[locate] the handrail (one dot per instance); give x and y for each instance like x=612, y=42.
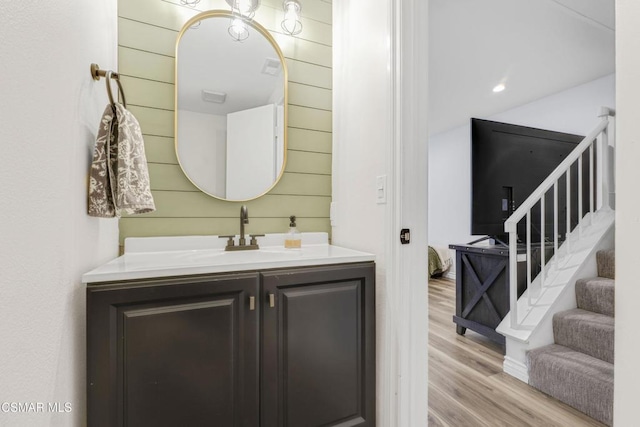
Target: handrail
x=598, y=138
x=511, y=223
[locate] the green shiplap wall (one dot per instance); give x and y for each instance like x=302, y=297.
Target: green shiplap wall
x=147, y=33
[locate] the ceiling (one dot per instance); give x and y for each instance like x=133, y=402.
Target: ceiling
x=535, y=48
x=210, y=59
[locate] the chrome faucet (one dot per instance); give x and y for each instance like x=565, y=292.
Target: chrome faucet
x=242, y=242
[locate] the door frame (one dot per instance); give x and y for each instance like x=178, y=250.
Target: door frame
x=404, y=400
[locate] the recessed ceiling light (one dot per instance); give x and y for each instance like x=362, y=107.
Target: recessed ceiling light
x=499, y=88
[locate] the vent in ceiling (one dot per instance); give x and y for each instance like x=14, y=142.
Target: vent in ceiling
x=271, y=66
x=213, y=96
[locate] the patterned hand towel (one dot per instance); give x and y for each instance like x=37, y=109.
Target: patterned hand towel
x=100, y=192
x=119, y=180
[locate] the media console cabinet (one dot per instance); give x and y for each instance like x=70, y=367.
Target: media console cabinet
x=482, y=286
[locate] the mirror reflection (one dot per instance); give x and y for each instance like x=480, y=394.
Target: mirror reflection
x=230, y=108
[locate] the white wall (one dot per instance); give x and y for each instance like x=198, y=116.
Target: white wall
x=572, y=111
x=202, y=147
x=627, y=374
x=361, y=142
x=49, y=113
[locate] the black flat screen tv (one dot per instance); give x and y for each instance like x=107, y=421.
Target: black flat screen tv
x=508, y=162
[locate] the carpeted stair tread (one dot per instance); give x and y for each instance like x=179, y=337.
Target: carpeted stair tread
x=585, y=331
x=596, y=294
x=606, y=261
x=579, y=380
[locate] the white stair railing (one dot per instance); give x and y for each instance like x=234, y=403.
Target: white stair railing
x=600, y=170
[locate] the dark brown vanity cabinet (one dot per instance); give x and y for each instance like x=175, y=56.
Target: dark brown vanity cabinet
x=318, y=347
x=173, y=352
x=291, y=347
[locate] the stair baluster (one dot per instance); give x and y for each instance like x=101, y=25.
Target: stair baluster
x=598, y=167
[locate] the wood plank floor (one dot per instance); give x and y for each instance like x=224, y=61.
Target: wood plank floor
x=467, y=387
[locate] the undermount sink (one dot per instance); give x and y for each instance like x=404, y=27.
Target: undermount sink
x=190, y=255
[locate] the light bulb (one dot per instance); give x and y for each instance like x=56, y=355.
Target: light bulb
x=238, y=30
x=291, y=12
x=238, y=27
x=291, y=23
x=244, y=6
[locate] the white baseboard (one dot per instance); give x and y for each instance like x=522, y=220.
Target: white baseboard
x=516, y=369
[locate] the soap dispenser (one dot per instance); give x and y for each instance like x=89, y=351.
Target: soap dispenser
x=293, y=239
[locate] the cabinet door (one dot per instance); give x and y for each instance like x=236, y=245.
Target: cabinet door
x=174, y=353
x=318, y=366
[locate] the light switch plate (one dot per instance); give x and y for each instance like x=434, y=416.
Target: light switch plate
x=381, y=189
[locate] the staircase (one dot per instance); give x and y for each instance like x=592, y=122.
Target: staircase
x=578, y=368
x=559, y=333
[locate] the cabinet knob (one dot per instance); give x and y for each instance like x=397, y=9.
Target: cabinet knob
x=272, y=300
x=252, y=303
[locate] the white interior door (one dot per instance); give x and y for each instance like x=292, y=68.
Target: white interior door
x=251, y=152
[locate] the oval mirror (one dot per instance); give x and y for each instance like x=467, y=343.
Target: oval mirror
x=231, y=106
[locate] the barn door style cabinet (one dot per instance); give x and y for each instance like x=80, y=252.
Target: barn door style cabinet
x=482, y=285
x=286, y=347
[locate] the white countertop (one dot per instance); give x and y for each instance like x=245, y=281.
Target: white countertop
x=183, y=256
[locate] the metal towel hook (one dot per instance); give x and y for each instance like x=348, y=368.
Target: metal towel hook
x=96, y=73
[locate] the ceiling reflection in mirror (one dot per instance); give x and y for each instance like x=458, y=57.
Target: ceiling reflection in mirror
x=231, y=107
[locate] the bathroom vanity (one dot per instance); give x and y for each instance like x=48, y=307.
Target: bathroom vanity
x=183, y=334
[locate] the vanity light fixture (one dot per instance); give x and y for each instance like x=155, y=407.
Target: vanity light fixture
x=243, y=11
x=291, y=23
x=244, y=8
x=190, y=3
x=238, y=30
